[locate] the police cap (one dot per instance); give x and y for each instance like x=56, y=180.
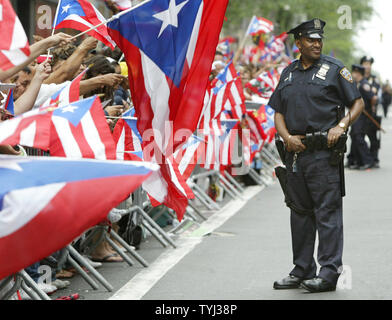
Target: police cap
x=367, y=59
x=358, y=68
x=310, y=29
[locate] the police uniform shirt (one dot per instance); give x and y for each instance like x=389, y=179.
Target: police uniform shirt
x=308, y=99
x=365, y=89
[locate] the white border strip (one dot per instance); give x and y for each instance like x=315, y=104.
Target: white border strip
x=139, y=285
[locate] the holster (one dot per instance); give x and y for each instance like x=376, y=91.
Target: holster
x=281, y=174
x=337, y=159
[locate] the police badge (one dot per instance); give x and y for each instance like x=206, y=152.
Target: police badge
x=317, y=24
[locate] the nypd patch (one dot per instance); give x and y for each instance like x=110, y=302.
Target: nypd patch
x=346, y=74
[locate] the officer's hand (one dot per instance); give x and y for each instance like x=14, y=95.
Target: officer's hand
x=334, y=135
x=294, y=144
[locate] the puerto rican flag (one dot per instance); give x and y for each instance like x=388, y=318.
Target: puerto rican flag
x=257, y=134
x=269, y=125
x=82, y=15
x=79, y=130
x=260, y=25
x=226, y=93
x=169, y=46
x=9, y=102
x=188, y=156
x=47, y=202
x=31, y=129
x=127, y=139
x=66, y=95
x=219, y=143
x=14, y=46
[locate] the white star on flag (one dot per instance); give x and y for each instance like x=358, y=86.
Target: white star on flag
x=65, y=9
x=68, y=109
x=170, y=16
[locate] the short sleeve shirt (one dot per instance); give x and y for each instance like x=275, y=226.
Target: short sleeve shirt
x=365, y=89
x=309, y=99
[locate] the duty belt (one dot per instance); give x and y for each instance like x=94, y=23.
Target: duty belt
x=316, y=141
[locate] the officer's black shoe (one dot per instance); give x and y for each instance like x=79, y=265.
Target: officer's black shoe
x=290, y=282
x=376, y=165
x=317, y=285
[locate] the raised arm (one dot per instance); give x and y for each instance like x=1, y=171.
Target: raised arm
x=36, y=49
x=27, y=99
x=72, y=64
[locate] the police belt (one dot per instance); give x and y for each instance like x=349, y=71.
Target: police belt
x=316, y=141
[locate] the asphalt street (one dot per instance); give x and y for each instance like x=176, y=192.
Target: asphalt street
x=241, y=258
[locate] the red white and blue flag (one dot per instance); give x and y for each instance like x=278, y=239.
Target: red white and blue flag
x=128, y=140
x=14, y=46
x=226, y=93
x=260, y=25
x=79, y=130
x=9, y=102
x=66, y=95
x=48, y=202
x=30, y=129
x=169, y=46
x=82, y=15
x=220, y=141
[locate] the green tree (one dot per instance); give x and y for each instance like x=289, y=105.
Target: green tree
x=288, y=13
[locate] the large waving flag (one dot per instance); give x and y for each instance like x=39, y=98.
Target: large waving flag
x=80, y=130
x=82, y=15
x=14, y=46
x=169, y=46
x=48, y=202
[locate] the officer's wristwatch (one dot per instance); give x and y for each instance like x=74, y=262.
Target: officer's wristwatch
x=342, y=125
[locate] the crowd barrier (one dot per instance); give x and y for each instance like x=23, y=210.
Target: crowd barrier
x=139, y=209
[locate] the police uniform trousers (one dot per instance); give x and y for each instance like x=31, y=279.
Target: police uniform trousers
x=360, y=153
x=316, y=185
x=372, y=135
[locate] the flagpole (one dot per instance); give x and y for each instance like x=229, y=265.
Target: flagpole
x=242, y=45
x=54, y=26
x=116, y=16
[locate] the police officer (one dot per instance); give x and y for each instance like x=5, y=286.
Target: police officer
x=360, y=155
x=307, y=99
x=372, y=129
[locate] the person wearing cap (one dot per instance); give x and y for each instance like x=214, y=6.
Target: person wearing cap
x=372, y=129
x=307, y=100
x=360, y=156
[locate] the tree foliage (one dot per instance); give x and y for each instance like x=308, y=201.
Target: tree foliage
x=289, y=13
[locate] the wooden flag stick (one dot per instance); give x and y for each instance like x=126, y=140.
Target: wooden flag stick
x=374, y=121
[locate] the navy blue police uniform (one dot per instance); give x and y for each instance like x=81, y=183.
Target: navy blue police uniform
x=372, y=130
x=360, y=153
x=309, y=100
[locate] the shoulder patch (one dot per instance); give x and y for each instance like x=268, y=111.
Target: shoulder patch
x=367, y=87
x=346, y=74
